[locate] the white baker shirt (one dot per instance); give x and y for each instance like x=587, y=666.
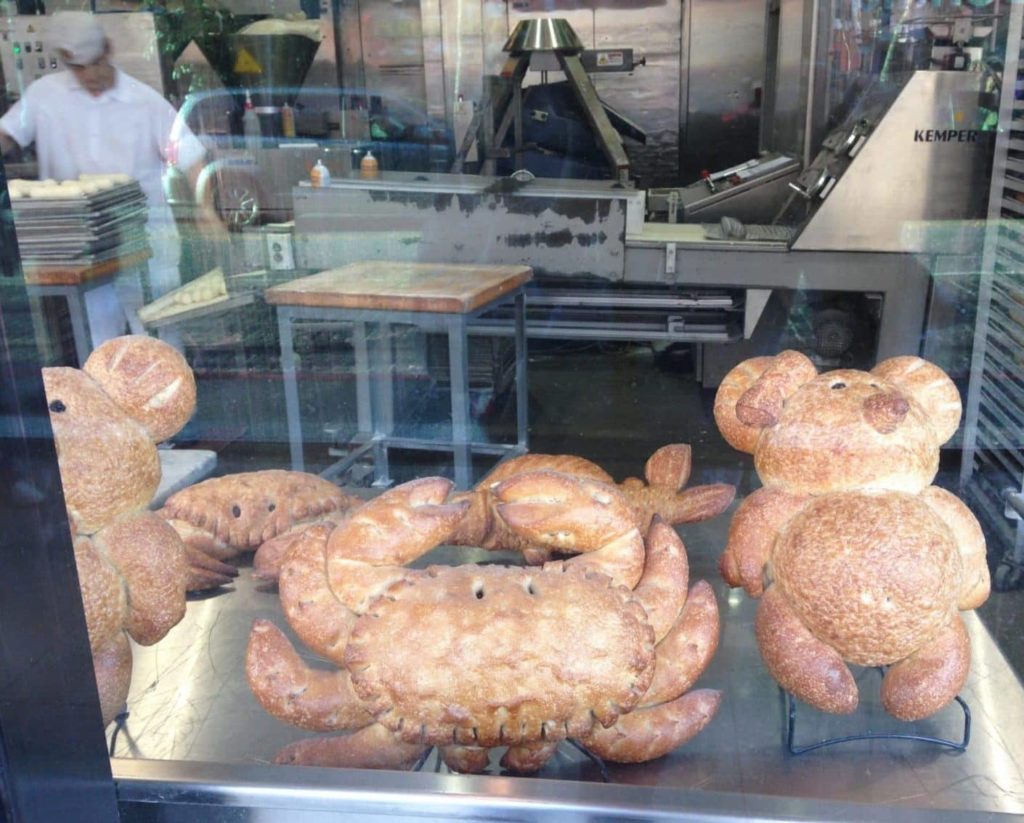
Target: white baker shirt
x=130, y=129
x=125, y=129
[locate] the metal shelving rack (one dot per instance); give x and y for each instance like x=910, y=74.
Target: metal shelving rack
x=992, y=472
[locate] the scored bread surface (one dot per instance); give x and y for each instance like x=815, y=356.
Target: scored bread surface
x=489, y=656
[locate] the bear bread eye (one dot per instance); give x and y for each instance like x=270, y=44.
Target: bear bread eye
x=838, y=386
x=58, y=406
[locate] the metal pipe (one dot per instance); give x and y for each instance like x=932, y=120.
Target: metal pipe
x=811, y=81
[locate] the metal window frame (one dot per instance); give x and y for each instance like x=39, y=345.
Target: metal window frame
x=52, y=746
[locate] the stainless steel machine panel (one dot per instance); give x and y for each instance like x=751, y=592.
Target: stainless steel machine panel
x=560, y=228
x=382, y=49
x=922, y=167
x=723, y=63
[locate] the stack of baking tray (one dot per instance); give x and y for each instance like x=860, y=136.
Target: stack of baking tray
x=81, y=230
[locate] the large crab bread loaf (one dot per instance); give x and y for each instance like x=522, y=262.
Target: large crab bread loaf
x=512, y=680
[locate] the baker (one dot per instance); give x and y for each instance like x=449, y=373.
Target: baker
x=94, y=118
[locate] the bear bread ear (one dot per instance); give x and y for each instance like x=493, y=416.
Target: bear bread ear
x=751, y=396
x=148, y=379
x=930, y=387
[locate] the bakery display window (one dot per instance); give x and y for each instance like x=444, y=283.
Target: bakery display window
x=510, y=410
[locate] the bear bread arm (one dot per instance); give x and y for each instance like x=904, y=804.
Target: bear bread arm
x=970, y=542
x=754, y=528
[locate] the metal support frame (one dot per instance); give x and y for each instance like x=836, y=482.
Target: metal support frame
x=375, y=385
x=999, y=267
x=901, y=279
x=609, y=138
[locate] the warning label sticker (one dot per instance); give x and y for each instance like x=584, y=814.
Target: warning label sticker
x=610, y=58
x=245, y=63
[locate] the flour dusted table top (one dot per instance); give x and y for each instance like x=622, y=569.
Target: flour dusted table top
x=396, y=286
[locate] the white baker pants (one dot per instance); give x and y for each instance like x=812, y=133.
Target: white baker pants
x=114, y=308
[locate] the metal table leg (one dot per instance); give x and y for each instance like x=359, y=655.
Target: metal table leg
x=522, y=396
x=364, y=403
x=382, y=402
x=458, y=364
x=291, y=389
x=79, y=325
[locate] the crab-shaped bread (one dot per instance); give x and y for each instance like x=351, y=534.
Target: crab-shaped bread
x=266, y=511
x=601, y=648
x=855, y=556
x=222, y=517
x=131, y=393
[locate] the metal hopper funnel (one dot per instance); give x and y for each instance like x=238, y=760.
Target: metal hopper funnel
x=271, y=66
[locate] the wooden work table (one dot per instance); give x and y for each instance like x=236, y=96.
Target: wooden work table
x=415, y=287
x=373, y=296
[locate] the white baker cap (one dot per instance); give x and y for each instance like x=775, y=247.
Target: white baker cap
x=78, y=34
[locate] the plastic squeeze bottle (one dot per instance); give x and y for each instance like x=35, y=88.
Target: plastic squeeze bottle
x=250, y=123
x=319, y=175
x=287, y=121
x=368, y=166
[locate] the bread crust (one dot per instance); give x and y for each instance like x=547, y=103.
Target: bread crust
x=103, y=595
x=752, y=534
x=823, y=443
x=923, y=683
x=975, y=581
x=112, y=667
x=371, y=748
x=244, y=510
x=874, y=576
x=647, y=733
x=277, y=679
x=402, y=655
x=740, y=378
x=147, y=378
x=662, y=589
x=930, y=386
x=798, y=661
x=687, y=650
x=150, y=557
x=108, y=464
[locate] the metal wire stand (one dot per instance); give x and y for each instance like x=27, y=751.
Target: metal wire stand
x=791, y=704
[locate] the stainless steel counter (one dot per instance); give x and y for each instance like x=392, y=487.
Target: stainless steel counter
x=190, y=704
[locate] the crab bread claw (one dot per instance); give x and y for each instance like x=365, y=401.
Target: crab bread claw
x=563, y=512
x=399, y=525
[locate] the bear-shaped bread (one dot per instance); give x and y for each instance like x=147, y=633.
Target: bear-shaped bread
x=855, y=556
x=132, y=392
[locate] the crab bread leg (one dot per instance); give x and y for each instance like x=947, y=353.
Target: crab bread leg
x=645, y=734
x=290, y=690
x=371, y=748
x=320, y=620
x=685, y=652
x=662, y=589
